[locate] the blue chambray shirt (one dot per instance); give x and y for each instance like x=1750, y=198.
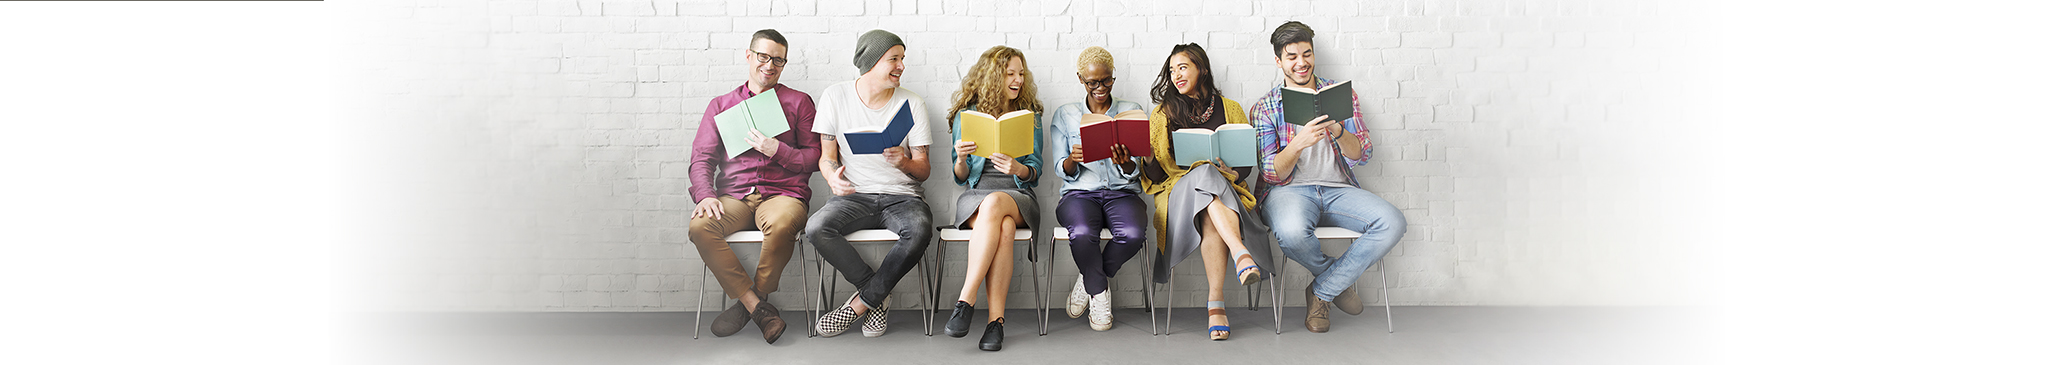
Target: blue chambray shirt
x=1095, y=175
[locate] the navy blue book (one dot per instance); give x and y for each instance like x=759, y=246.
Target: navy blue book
x=871, y=142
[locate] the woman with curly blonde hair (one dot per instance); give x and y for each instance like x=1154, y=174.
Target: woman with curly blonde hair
x=1000, y=195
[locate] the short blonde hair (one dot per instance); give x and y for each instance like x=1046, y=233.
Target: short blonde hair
x=1094, y=56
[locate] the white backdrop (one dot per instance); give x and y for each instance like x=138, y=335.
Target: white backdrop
x=532, y=155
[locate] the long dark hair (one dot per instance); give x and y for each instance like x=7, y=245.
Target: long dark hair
x=1179, y=108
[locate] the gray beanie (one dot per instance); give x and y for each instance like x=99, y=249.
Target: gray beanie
x=871, y=46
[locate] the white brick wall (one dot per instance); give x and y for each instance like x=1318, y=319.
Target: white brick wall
x=532, y=154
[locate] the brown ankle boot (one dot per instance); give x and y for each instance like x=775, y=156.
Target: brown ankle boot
x=1315, y=313
x=769, y=321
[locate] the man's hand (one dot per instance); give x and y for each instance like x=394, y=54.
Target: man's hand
x=709, y=207
x=1311, y=132
x=895, y=156
x=840, y=185
x=768, y=146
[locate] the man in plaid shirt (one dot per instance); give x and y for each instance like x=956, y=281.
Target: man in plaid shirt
x=1307, y=183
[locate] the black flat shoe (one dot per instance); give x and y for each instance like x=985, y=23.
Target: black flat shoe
x=959, y=322
x=994, y=336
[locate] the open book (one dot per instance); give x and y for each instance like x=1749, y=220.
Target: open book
x=1231, y=143
x=1100, y=132
x=1011, y=134
x=871, y=141
x=1336, y=101
x=760, y=113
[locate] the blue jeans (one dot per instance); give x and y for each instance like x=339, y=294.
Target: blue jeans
x=1294, y=210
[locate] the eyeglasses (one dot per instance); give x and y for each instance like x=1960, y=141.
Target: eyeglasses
x=1094, y=84
x=774, y=61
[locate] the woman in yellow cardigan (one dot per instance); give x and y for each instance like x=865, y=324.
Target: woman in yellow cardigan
x=1208, y=201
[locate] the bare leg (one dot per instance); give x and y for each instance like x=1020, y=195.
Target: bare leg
x=1228, y=225
x=985, y=237
x=1214, y=252
x=999, y=281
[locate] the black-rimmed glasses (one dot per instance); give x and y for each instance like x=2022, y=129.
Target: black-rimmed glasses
x=1106, y=82
x=764, y=57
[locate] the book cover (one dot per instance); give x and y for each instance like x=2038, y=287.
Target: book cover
x=1232, y=143
x=872, y=141
x=1099, y=132
x=1011, y=134
x=1336, y=101
x=760, y=113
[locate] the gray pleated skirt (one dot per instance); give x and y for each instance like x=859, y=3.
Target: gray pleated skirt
x=1191, y=194
x=974, y=197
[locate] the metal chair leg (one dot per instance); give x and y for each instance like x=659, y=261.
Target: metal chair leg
x=1383, y=291
x=931, y=294
x=1040, y=297
x=1148, y=293
x=1171, y=306
x=698, y=310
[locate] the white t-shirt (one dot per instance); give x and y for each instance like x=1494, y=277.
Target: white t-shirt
x=840, y=109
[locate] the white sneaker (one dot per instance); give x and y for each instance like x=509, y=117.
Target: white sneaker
x=1102, y=311
x=1077, y=298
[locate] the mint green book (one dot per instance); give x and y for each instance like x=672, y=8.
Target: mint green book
x=760, y=113
x=1231, y=143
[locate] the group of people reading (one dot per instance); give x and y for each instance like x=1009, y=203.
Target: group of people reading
x=870, y=141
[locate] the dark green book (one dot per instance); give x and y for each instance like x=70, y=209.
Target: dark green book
x=1336, y=101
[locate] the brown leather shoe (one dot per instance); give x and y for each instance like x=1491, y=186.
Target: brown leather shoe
x=1315, y=313
x=769, y=321
x=1348, y=302
x=731, y=320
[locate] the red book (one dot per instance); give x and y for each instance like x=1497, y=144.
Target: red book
x=1100, y=132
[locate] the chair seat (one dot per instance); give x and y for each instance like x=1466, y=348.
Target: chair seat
x=952, y=234
x=1333, y=232
x=745, y=236
x=1063, y=234
x=872, y=235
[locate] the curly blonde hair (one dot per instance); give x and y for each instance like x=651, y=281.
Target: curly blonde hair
x=986, y=82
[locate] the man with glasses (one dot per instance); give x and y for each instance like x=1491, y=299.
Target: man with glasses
x=764, y=187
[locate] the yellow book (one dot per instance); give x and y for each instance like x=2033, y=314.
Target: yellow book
x=1011, y=134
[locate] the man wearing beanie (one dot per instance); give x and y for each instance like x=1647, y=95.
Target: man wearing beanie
x=871, y=191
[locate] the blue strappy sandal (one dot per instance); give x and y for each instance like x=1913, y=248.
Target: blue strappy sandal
x=1244, y=270
x=1217, y=308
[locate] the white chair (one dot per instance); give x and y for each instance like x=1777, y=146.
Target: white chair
x=829, y=275
x=1148, y=288
x=1383, y=281
x=756, y=237
x=1275, y=291
x=956, y=235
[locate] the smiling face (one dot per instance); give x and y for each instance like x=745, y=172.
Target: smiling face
x=1098, y=83
x=1184, y=74
x=1296, y=61
x=764, y=73
x=1016, y=77
x=889, y=67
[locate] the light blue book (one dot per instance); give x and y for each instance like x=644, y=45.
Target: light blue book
x=1231, y=143
x=760, y=113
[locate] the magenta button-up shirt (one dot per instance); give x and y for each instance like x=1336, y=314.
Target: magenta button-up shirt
x=713, y=174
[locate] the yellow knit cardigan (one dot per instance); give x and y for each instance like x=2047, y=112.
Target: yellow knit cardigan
x=1159, y=139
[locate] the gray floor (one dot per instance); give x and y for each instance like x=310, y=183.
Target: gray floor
x=1425, y=335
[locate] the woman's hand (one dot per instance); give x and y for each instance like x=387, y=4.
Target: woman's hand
x=964, y=148
x=1076, y=153
x=1224, y=170
x=1007, y=164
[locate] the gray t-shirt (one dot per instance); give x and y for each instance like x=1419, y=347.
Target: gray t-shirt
x=1317, y=165
x=840, y=109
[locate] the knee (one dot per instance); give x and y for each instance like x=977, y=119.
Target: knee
x=1129, y=234
x=701, y=229
x=779, y=225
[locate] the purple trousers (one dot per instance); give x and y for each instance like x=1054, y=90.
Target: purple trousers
x=1084, y=212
